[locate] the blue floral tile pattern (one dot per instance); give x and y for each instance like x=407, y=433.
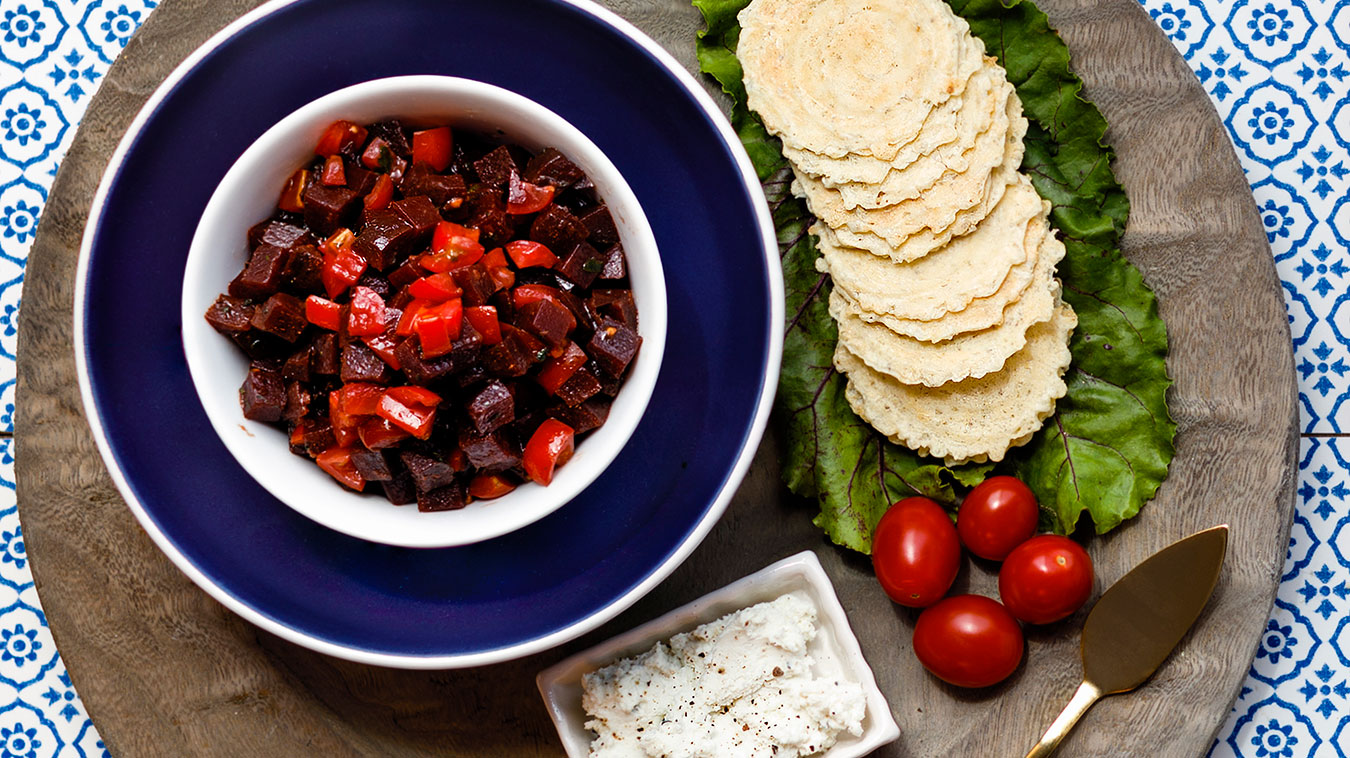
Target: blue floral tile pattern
x=1278, y=72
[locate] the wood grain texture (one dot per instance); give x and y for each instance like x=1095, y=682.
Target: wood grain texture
x=165, y=670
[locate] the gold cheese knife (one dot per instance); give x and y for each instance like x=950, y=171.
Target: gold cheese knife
x=1138, y=621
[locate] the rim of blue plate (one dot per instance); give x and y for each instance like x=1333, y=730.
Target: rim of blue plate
x=731, y=477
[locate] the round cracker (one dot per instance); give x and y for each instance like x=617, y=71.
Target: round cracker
x=974, y=420
x=1034, y=275
x=965, y=356
x=951, y=127
x=958, y=157
x=970, y=267
x=939, y=208
x=927, y=240
x=852, y=76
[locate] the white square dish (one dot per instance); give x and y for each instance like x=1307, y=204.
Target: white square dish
x=835, y=650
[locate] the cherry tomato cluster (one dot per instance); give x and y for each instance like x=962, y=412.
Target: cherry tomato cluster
x=970, y=640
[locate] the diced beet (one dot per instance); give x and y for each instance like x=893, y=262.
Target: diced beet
x=420, y=213
x=546, y=320
x=263, y=395
x=488, y=452
x=581, y=387
x=371, y=465
x=471, y=374
x=323, y=356
x=386, y=239
x=552, y=167
x=616, y=305
x=230, y=314
x=297, y=401
x=361, y=364
x=327, y=208
x=319, y=436
x=476, y=283
x=405, y=274
x=582, y=265
x=261, y=346
x=585, y=322
x=419, y=370
x=613, y=346
x=557, y=228
x=278, y=233
x=376, y=282
x=492, y=408
x=494, y=224
x=616, y=265
x=609, y=385
x=601, y=226
x=296, y=367
x=304, y=271
x=464, y=349
x=451, y=497
x=282, y=315
x=360, y=180
x=421, y=179
x=400, y=490
x=427, y=473
x=591, y=414
x=495, y=168
x=508, y=359
x=261, y=275
x=392, y=131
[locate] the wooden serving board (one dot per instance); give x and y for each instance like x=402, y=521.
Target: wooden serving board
x=165, y=670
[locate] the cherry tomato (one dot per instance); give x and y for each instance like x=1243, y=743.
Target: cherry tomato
x=915, y=552
x=968, y=641
x=997, y=516
x=1045, y=579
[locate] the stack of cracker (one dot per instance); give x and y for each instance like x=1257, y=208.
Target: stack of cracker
x=906, y=140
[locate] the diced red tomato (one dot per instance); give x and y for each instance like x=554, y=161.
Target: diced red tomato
x=359, y=399
x=293, y=194
x=383, y=345
x=338, y=241
x=334, y=173
x=376, y=433
x=322, y=312
x=409, y=317
x=413, y=394
x=489, y=486
x=433, y=147
x=365, y=317
x=297, y=438
x=337, y=461
x=452, y=246
x=526, y=253
x=484, y=320
x=523, y=197
x=503, y=278
x=529, y=293
x=378, y=155
x=435, y=287
x=379, y=196
x=341, y=271
x=438, y=326
x=558, y=370
x=495, y=258
x=338, y=135
x=550, y=446
x=410, y=408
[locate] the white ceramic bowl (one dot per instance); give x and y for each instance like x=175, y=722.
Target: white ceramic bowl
x=835, y=650
x=248, y=194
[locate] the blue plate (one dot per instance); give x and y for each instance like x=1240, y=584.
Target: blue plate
x=522, y=592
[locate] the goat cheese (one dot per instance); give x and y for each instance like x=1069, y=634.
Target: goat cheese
x=739, y=687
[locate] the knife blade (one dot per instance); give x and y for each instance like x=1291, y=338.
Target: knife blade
x=1138, y=622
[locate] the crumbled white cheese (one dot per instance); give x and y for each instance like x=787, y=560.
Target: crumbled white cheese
x=739, y=687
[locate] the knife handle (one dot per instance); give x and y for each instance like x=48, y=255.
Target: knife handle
x=1082, y=700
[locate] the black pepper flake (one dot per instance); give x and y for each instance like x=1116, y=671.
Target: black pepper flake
x=777, y=671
